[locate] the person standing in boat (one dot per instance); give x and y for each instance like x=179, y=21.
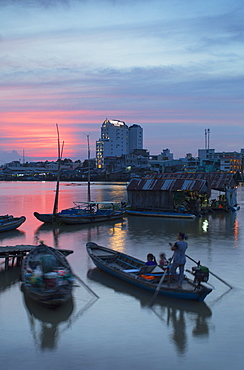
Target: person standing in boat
x=179, y=258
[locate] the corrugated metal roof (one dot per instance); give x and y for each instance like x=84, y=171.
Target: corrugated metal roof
x=168, y=184
x=194, y=181
x=215, y=180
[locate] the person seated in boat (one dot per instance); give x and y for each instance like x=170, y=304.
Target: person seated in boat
x=179, y=258
x=163, y=261
x=149, y=265
x=151, y=260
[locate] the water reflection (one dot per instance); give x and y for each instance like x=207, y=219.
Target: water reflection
x=9, y=278
x=154, y=227
x=46, y=323
x=13, y=234
x=182, y=317
x=114, y=228
x=224, y=223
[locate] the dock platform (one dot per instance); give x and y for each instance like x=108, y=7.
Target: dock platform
x=18, y=252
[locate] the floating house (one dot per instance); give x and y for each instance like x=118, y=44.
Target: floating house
x=181, y=192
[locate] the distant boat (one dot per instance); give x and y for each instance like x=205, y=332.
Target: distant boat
x=129, y=269
x=47, y=276
x=165, y=214
x=90, y=212
x=8, y=223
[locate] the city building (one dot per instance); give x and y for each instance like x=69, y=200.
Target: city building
x=117, y=139
x=221, y=161
x=135, y=137
x=230, y=164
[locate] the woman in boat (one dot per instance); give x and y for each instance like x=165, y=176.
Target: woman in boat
x=179, y=258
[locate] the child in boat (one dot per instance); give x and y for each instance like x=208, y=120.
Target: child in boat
x=149, y=265
x=163, y=261
x=151, y=260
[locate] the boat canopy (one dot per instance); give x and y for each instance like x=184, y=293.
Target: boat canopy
x=94, y=203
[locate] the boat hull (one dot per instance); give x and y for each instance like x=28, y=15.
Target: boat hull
x=46, y=217
x=88, y=218
x=101, y=257
x=11, y=223
x=161, y=214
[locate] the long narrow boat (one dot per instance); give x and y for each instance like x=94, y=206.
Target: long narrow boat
x=130, y=269
x=49, y=218
x=164, y=214
x=47, y=276
x=11, y=223
x=90, y=212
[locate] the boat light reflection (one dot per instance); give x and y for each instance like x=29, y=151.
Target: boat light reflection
x=205, y=226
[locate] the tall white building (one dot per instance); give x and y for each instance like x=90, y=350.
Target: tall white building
x=135, y=137
x=117, y=139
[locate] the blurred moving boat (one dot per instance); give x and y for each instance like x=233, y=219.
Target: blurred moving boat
x=134, y=271
x=47, y=276
x=8, y=222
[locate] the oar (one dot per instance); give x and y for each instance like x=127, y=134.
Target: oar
x=198, y=263
x=85, y=285
x=158, y=288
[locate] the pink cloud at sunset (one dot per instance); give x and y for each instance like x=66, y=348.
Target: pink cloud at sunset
x=30, y=131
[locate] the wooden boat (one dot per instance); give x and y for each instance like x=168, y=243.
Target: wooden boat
x=8, y=223
x=161, y=214
x=90, y=212
x=130, y=269
x=47, y=276
x=49, y=218
x=82, y=212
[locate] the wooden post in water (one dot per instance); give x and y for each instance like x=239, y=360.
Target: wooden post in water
x=60, y=153
x=6, y=263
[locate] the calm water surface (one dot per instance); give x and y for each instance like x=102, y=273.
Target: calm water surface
x=118, y=330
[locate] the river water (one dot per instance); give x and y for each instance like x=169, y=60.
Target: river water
x=118, y=330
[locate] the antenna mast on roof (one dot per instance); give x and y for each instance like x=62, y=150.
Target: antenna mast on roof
x=207, y=136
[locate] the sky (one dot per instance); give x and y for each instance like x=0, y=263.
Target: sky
x=175, y=67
